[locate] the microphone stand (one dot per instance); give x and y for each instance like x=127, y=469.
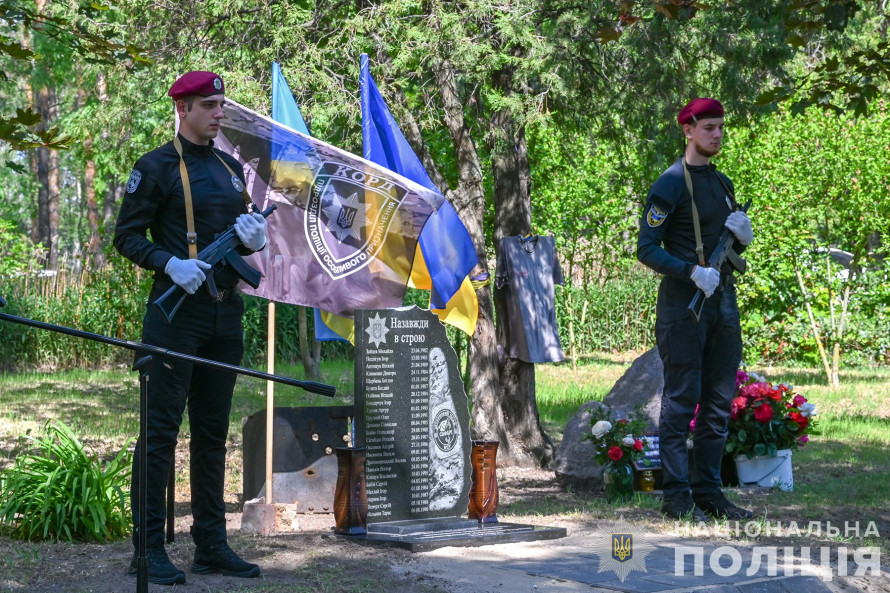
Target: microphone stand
x=143, y=365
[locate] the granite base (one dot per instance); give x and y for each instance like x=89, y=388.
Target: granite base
x=422, y=535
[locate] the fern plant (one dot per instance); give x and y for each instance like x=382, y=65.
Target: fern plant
x=60, y=492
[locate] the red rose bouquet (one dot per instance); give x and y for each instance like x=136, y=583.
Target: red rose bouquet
x=766, y=418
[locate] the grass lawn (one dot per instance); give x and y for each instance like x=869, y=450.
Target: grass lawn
x=842, y=476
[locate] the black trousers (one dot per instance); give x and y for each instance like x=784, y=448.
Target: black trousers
x=207, y=330
x=700, y=363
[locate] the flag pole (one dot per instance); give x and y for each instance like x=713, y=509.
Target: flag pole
x=270, y=398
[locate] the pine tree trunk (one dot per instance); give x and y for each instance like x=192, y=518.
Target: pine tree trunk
x=309, y=354
x=95, y=244
x=469, y=200
x=48, y=180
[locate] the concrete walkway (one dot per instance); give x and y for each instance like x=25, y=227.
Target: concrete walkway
x=658, y=563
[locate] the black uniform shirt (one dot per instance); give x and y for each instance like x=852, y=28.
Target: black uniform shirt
x=666, y=242
x=155, y=203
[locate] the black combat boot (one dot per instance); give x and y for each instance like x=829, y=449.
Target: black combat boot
x=681, y=507
x=160, y=570
x=220, y=558
x=716, y=505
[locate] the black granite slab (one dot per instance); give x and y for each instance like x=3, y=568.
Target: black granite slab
x=423, y=536
x=412, y=416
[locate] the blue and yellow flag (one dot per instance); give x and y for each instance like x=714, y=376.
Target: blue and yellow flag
x=446, y=253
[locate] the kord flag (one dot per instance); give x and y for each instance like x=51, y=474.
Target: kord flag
x=345, y=231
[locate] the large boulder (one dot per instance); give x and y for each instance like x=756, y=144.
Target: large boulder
x=574, y=465
x=639, y=388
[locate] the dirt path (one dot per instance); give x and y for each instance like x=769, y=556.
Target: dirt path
x=318, y=561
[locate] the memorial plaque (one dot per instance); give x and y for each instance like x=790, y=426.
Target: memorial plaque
x=412, y=416
x=651, y=453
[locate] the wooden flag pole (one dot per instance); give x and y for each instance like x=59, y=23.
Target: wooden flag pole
x=270, y=399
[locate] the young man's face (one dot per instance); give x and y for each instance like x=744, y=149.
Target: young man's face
x=706, y=136
x=200, y=123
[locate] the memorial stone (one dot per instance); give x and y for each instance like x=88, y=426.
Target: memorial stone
x=412, y=416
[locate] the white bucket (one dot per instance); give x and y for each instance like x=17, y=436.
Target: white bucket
x=766, y=471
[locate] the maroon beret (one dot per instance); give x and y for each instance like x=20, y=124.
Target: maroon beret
x=197, y=82
x=699, y=109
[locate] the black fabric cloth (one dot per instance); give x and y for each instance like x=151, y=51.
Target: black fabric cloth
x=151, y=228
x=700, y=358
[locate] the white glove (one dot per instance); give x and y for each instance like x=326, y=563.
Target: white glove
x=251, y=229
x=740, y=226
x=706, y=279
x=187, y=273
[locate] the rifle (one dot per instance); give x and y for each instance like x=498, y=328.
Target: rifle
x=723, y=253
x=217, y=254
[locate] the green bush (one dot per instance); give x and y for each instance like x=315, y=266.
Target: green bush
x=287, y=337
x=109, y=302
x=16, y=250
x=59, y=492
x=615, y=316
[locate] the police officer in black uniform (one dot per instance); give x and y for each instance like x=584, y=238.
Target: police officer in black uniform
x=156, y=202
x=700, y=358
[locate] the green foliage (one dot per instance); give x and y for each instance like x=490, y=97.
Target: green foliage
x=615, y=316
x=16, y=251
x=60, y=29
x=819, y=183
x=844, y=58
x=583, y=196
x=287, y=340
x=60, y=492
x=108, y=302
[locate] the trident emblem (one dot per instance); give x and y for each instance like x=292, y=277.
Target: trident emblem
x=622, y=546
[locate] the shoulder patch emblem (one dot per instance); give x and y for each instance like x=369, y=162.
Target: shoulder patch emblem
x=236, y=183
x=133, y=182
x=655, y=216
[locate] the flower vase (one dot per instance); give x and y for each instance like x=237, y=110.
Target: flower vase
x=484, y=488
x=350, y=494
x=618, y=481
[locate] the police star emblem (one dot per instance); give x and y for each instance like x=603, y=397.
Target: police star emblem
x=622, y=549
x=346, y=217
x=377, y=330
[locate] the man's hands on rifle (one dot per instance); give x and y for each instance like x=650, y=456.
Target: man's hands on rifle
x=251, y=229
x=188, y=274
x=740, y=225
x=706, y=279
